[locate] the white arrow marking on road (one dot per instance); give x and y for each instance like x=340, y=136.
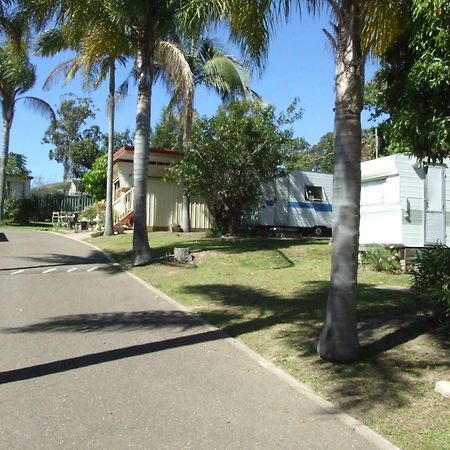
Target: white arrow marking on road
x=71, y=270
x=49, y=270
x=18, y=271
x=93, y=268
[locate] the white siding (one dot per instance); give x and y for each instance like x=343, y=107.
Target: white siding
x=412, y=194
x=381, y=224
x=164, y=206
x=447, y=203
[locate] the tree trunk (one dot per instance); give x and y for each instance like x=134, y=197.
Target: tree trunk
x=339, y=338
x=109, y=225
x=185, y=219
x=141, y=247
x=187, y=131
x=3, y=163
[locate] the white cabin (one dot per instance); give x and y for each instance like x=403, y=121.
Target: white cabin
x=404, y=202
x=164, y=200
x=299, y=200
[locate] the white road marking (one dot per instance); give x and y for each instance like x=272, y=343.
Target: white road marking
x=18, y=271
x=92, y=269
x=72, y=269
x=48, y=270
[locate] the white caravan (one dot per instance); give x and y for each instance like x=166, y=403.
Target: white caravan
x=300, y=200
x=404, y=202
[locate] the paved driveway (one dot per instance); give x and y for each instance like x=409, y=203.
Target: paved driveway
x=91, y=358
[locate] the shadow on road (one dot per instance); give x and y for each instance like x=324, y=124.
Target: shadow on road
x=129, y=321
x=64, y=365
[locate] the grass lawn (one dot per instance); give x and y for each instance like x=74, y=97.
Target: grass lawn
x=272, y=295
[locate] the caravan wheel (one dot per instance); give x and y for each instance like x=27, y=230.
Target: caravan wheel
x=318, y=231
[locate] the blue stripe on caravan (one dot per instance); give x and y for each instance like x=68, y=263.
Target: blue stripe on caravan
x=321, y=207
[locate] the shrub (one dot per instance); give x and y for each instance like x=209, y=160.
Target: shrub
x=90, y=213
x=18, y=211
x=431, y=278
x=382, y=259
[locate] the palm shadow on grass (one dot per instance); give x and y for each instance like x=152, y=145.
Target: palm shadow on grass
x=387, y=319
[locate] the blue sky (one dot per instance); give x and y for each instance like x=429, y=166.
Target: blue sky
x=300, y=64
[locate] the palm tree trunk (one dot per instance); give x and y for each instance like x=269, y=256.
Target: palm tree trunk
x=339, y=338
x=187, y=131
x=109, y=226
x=3, y=163
x=141, y=247
x=185, y=206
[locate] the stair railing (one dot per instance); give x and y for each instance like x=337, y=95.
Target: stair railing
x=123, y=205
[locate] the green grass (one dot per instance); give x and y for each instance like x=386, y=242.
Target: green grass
x=272, y=295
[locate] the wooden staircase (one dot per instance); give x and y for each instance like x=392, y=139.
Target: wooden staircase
x=125, y=222
x=123, y=211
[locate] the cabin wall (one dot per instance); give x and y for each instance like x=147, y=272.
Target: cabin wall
x=164, y=207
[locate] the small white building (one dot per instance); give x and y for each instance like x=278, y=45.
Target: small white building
x=18, y=187
x=301, y=200
x=404, y=202
x=164, y=200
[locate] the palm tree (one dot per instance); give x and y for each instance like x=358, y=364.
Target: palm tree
x=17, y=76
x=359, y=26
x=214, y=69
x=147, y=27
x=96, y=68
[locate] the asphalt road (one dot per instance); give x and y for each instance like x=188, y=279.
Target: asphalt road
x=91, y=358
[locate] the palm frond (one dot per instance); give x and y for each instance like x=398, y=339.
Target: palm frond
x=51, y=42
x=40, y=106
x=383, y=20
x=226, y=75
x=67, y=69
x=175, y=71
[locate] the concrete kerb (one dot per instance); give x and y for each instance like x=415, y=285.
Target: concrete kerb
x=363, y=430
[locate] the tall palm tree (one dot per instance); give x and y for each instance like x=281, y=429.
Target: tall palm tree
x=96, y=68
x=359, y=26
x=147, y=26
x=17, y=76
x=213, y=68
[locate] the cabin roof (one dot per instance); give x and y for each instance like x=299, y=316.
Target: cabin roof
x=128, y=150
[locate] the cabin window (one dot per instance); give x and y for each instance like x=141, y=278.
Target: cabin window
x=314, y=193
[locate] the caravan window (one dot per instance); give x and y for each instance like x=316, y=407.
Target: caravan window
x=314, y=193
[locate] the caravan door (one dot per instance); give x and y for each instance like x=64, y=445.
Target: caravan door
x=267, y=209
x=435, y=205
x=281, y=201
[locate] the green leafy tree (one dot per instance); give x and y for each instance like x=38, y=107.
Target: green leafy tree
x=75, y=145
x=95, y=180
x=230, y=156
x=168, y=132
x=212, y=68
x=319, y=157
x=413, y=85
x=17, y=76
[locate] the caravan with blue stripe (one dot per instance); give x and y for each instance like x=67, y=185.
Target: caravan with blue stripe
x=301, y=200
